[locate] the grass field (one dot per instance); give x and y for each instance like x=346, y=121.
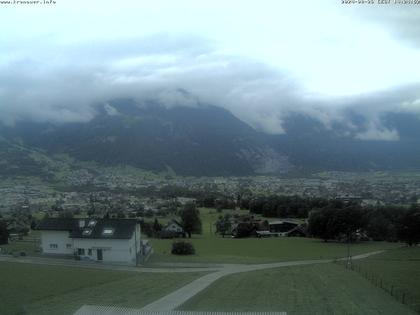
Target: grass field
x=316, y=289
x=398, y=269
x=38, y=289
x=254, y=250
x=215, y=249
x=30, y=245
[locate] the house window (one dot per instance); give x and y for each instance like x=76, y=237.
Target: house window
x=53, y=246
x=87, y=232
x=90, y=252
x=80, y=251
x=108, y=231
x=68, y=245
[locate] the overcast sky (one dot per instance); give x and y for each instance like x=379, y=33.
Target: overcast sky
x=259, y=59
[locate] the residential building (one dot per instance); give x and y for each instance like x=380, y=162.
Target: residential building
x=102, y=240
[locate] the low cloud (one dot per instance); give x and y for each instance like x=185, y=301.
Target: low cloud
x=379, y=133
x=401, y=20
x=110, y=110
x=411, y=106
x=62, y=84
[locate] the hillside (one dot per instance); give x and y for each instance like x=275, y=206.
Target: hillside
x=204, y=141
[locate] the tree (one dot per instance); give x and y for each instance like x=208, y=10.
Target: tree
x=350, y=220
x=146, y=228
x=157, y=227
x=319, y=223
x=223, y=225
x=190, y=219
x=4, y=233
x=337, y=221
x=409, y=226
x=381, y=225
x=34, y=224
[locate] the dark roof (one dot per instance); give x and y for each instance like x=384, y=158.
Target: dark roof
x=173, y=221
x=81, y=228
x=58, y=224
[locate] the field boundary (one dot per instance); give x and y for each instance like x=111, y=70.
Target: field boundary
x=400, y=295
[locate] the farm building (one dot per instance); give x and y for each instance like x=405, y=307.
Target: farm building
x=283, y=228
x=172, y=229
x=102, y=240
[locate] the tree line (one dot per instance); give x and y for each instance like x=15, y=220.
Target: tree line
x=282, y=206
x=351, y=221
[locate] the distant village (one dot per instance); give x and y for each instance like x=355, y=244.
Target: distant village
x=106, y=192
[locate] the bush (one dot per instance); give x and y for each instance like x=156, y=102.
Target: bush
x=182, y=248
x=170, y=234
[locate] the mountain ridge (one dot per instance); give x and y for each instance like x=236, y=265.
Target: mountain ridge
x=206, y=140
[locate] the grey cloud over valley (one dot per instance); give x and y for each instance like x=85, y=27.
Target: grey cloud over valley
x=59, y=79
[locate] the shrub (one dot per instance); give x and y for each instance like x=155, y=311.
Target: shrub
x=182, y=248
x=170, y=234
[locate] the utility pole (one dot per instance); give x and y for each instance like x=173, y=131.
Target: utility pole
x=348, y=250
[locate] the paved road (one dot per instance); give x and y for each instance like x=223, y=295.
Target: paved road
x=98, y=265
x=163, y=267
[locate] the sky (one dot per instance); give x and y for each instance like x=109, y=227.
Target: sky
x=261, y=60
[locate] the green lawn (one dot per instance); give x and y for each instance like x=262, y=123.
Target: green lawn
x=316, y=289
x=30, y=245
x=255, y=250
x=38, y=289
x=16, y=247
x=215, y=249
x=398, y=269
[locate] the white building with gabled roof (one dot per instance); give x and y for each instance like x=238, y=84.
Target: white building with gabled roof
x=103, y=240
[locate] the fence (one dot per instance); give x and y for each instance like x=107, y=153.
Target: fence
x=401, y=295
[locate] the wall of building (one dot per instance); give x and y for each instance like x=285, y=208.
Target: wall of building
x=60, y=238
x=113, y=250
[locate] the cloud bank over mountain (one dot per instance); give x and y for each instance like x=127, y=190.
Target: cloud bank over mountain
x=261, y=62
